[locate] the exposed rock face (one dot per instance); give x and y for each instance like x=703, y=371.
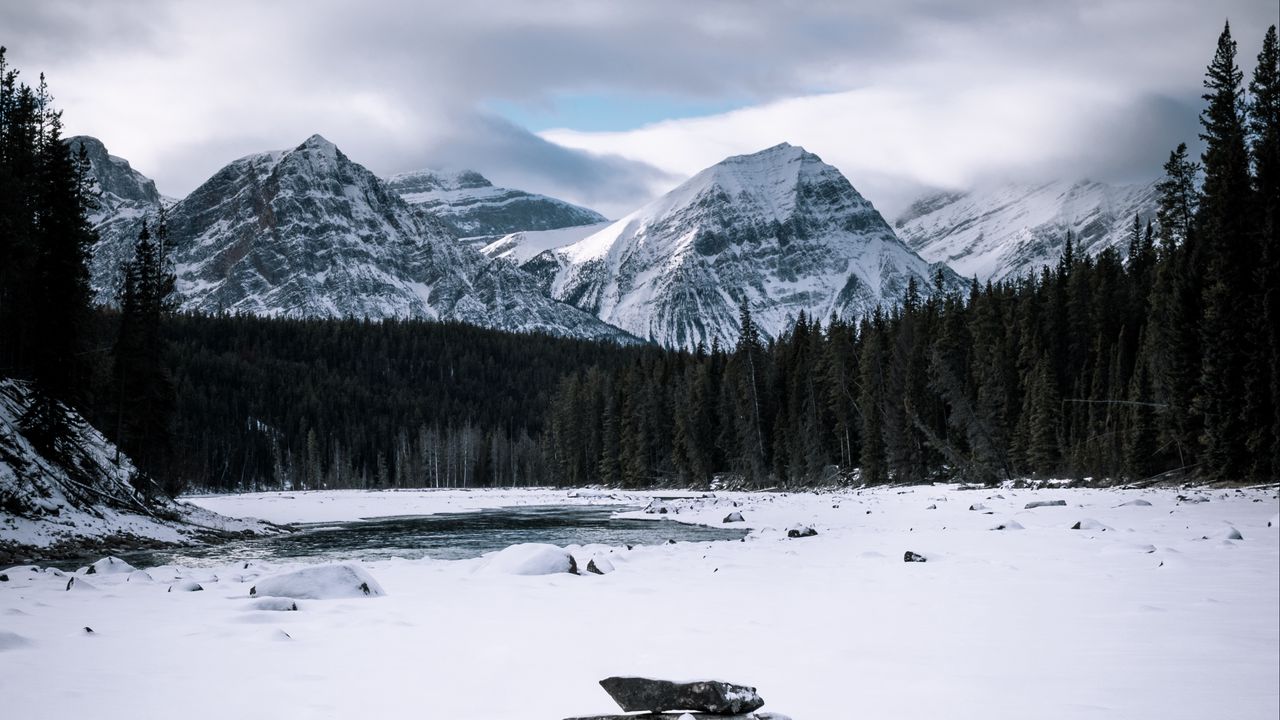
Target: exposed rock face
x=309, y=233
x=779, y=229
x=733, y=517
x=1010, y=230
x=126, y=196
x=471, y=203
x=913, y=557
x=712, y=696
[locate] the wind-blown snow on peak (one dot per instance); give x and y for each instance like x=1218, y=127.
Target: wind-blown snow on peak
x=1008, y=230
x=779, y=229
x=472, y=204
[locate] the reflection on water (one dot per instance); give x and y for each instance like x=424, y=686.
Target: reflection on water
x=448, y=537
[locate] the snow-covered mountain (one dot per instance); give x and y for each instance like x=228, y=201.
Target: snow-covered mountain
x=779, y=228
x=520, y=247
x=1008, y=230
x=476, y=208
x=309, y=233
x=125, y=197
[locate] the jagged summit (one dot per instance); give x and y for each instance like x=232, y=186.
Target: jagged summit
x=779, y=229
x=114, y=174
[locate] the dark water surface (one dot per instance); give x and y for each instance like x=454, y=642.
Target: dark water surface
x=450, y=536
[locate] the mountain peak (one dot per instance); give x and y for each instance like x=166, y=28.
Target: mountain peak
x=317, y=141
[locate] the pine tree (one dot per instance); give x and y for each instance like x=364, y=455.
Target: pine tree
x=1264, y=132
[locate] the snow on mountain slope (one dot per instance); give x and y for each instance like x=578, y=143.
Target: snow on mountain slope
x=475, y=207
x=85, y=497
x=779, y=229
x=126, y=197
x=309, y=233
x=520, y=247
x=1007, y=231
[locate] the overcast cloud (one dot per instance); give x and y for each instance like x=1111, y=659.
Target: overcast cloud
x=900, y=96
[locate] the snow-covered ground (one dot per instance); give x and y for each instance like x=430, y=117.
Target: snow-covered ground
x=1151, y=613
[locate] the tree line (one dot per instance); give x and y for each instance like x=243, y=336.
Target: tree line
x=1162, y=361
x=1100, y=367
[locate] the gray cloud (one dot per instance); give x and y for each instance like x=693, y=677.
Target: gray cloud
x=180, y=88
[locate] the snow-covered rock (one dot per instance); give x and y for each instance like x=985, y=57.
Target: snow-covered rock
x=322, y=582
x=275, y=604
x=733, y=517
x=109, y=566
x=1045, y=503
x=186, y=586
x=1139, y=502
x=599, y=565
x=1089, y=524
x=1008, y=525
x=531, y=559
x=469, y=202
x=1009, y=230
x=779, y=230
x=12, y=641
x=801, y=531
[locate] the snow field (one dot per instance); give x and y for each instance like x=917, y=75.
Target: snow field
x=1136, y=615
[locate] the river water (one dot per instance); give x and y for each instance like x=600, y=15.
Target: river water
x=450, y=536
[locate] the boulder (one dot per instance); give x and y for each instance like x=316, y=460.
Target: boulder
x=733, y=517
x=189, y=586
x=79, y=585
x=599, y=566
x=109, y=566
x=322, y=582
x=1045, y=503
x=531, y=559
x=931, y=507
x=686, y=716
x=1008, y=525
x=711, y=696
x=801, y=531
x=913, y=557
x=977, y=507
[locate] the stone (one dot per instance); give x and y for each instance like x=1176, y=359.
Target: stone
x=186, y=586
x=683, y=715
x=1046, y=503
x=4, y=578
x=977, y=507
x=801, y=531
x=711, y=696
x=733, y=517
x=1136, y=503
x=914, y=557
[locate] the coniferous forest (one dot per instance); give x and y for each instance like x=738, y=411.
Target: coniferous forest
x=1156, y=363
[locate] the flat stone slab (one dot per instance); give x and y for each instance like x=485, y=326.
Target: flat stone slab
x=679, y=715
x=710, y=696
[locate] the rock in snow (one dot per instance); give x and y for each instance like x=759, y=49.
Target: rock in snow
x=276, y=604
x=531, y=559
x=733, y=517
x=1008, y=525
x=599, y=566
x=1136, y=503
x=1089, y=524
x=801, y=531
x=711, y=696
x=914, y=557
x=322, y=582
x=1046, y=503
x=188, y=586
x=109, y=566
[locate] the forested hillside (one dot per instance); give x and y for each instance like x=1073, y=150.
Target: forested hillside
x=1095, y=369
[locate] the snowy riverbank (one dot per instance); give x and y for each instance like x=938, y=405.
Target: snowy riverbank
x=1148, y=611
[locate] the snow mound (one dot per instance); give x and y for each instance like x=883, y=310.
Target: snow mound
x=186, y=586
x=1009, y=525
x=78, y=585
x=12, y=641
x=599, y=565
x=1045, y=503
x=275, y=604
x=531, y=559
x=1089, y=524
x=139, y=576
x=323, y=582
x=109, y=566
x=1136, y=503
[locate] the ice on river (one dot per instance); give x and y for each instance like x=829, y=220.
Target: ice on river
x=1145, y=611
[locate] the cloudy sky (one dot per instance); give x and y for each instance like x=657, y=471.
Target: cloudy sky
x=609, y=103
